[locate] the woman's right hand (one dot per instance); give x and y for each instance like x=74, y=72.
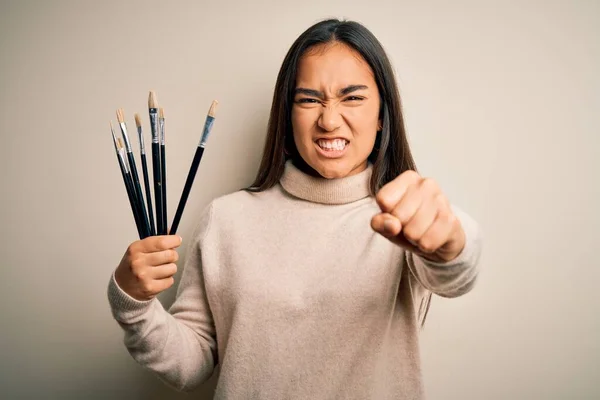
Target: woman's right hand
x=148, y=266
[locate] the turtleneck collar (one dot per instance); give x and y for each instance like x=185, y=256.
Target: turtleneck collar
x=326, y=191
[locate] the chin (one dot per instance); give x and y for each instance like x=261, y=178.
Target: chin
x=332, y=170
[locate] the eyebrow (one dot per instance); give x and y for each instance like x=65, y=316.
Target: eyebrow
x=319, y=94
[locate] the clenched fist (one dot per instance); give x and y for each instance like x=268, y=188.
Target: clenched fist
x=417, y=216
x=148, y=266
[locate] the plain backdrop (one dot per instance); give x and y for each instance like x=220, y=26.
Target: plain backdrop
x=502, y=103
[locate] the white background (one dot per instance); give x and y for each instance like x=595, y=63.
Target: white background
x=502, y=104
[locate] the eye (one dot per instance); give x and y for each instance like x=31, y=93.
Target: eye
x=354, y=98
x=306, y=100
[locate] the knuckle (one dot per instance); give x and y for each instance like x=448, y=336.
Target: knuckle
x=448, y=218
x=410, y=234
x=426, y=245
x=401, y=214
x=131, y=250
x=139, y=273
x=429, y=184
x=384, y=200
x=411, y=174
x=440, y=201
x=136, y=264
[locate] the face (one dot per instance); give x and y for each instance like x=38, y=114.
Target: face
x=335, y=115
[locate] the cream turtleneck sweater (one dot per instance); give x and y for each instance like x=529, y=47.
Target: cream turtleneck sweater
x=294, y=295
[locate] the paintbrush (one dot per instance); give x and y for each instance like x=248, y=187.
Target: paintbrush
x=208, y=124
x=134, y=175
x=163, y=168
x=153, y=111
x=125, y=172
x=138, y=124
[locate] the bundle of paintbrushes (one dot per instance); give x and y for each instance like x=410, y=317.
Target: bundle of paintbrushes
x=144, y=214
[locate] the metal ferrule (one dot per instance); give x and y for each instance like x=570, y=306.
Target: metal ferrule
x=142, y=147
x=125, y=136
x=122, y=159
x=206, y=133
x=154, y=124
x=161, y=122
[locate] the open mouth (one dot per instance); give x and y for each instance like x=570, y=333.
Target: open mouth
x=332, y=148
x=332, y=144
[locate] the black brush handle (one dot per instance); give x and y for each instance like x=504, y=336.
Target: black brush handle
x=163, y=175
x=156, y=169
x=134, y=209
x=138, y=195
x=186, y=189
x=148, y=195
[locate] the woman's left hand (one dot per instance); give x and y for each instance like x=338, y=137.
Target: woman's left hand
x=417, y=216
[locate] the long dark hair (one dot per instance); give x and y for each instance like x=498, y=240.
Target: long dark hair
x=391, y=154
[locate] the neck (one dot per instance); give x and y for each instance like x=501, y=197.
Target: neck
x=305, y=185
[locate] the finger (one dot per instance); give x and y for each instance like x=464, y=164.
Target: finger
x=408, y=206
x=391, y=193
x=162, y=284
x=161, y=257
x=439, y=232
x=419, y=224
x=155, y=244
x=163, y=271
x=389, y=227
x=386, y=224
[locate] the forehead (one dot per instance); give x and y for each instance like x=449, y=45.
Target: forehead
x=333, y=65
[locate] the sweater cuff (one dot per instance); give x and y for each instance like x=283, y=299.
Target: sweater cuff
x=124, y=307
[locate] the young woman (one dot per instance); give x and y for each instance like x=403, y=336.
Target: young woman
x=313, y=282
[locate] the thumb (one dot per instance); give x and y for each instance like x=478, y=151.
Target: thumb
x=386, y=224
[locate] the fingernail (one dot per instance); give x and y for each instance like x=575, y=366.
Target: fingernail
x=180, y=239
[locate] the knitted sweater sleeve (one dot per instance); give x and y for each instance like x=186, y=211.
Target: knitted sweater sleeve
x=178, y=345
x=453, y=278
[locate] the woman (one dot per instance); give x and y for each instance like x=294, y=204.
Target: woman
x=312, y=283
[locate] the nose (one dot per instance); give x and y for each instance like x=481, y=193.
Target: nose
x=330, y=119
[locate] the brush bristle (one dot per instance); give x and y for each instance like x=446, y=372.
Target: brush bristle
x=119, y=143
x=152, y=99
x=120, y=116
x=161, y=113
x=213, y=108
x=138, y=121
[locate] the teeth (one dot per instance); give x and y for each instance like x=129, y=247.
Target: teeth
x=336, y=144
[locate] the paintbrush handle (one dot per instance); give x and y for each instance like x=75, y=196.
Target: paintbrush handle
x=132, y=202
x=156, y=169
x=148, y=195
x=186, y=189
x=128, y=188
x=138, y=195
x=163, y=175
